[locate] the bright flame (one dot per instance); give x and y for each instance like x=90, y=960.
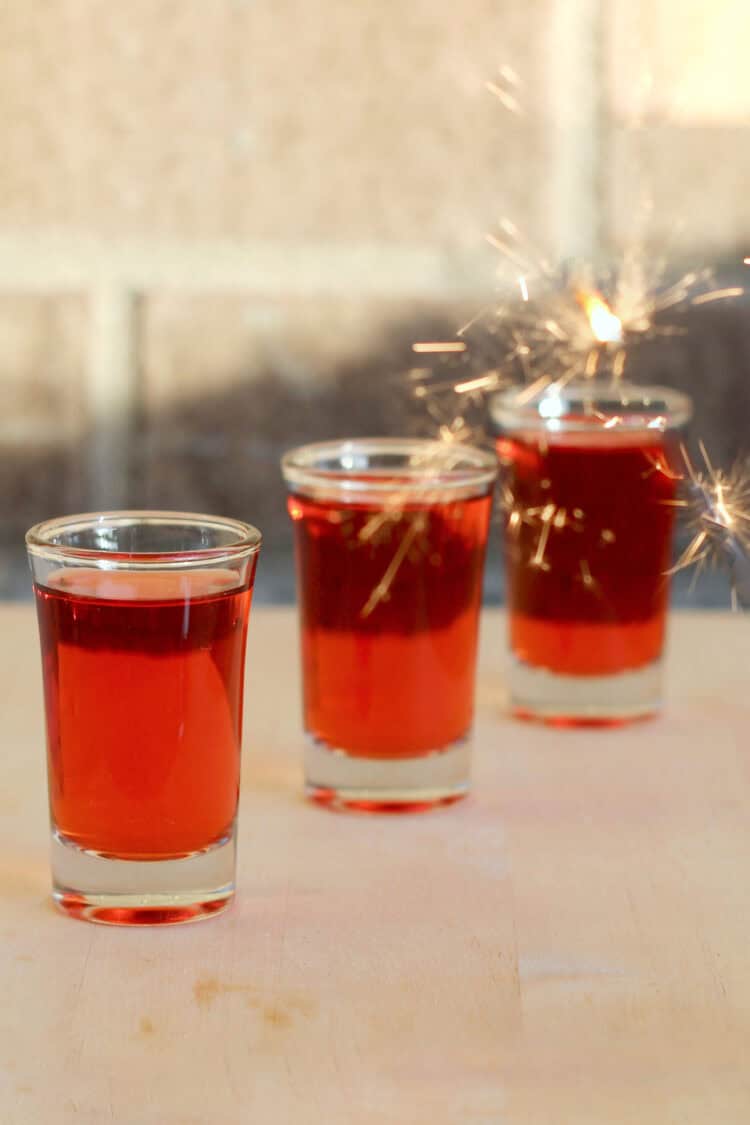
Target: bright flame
x=607, y=327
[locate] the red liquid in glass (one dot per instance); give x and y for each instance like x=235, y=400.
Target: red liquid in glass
x=588, y=544
x=143, y=676
x=394, y=679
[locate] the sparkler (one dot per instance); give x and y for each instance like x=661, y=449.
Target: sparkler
x=560, y=327
x=551, y=325
x=555, y=325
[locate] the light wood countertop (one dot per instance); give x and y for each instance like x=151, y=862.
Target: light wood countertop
x=570, y=946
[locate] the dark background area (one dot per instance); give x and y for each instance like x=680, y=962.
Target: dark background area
x=218, y=451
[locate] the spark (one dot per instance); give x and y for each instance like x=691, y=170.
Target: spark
x=555, y=330
x=416, y=528
x=541, y=547
x=548, y=518
x=438, y=347
x=482, y=383
x=507, y=250
x=717, y=295
x=587, y=577
x=618, y=365
x=509, y=74
x=474, y=320
x=505, y=89
x=657, y=463
x=717, y=504
x=533, y=389
x=509, y=100
x=592, y=364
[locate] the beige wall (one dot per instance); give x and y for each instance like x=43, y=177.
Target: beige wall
x=271, y=119
x=191, y=192
x=679, y=111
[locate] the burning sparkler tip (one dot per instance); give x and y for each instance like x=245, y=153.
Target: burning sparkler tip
x=605, y=325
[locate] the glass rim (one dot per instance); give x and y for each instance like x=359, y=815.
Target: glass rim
x=456, y=468
x=588, y=405
x=40, y=540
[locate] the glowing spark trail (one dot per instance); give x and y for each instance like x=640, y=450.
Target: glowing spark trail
x=381, y=591
x=505, y=89
x=717, y=295
x=437, y=347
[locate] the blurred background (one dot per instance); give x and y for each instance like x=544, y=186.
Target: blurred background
x=222, y=225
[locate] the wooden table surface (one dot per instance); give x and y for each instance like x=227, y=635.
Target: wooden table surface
x=569, y=945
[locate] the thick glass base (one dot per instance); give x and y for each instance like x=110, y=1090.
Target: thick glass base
x=339, y=780
x=624, y=697
x=122, y=892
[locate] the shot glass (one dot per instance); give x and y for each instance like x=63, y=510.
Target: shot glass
x=589, y=476
x=143, y=623
x=390, y=545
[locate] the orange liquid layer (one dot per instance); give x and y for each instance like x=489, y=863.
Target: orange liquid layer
x=143, y=677
x=397, y=680
x=585, y=649
x=588, y=547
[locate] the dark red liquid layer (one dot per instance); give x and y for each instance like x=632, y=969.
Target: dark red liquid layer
x=143, y=677
x=389, y=676
x=588, y=544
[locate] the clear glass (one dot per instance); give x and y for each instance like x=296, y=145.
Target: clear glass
x=589, y=480
x=390, y=539
x=143, y=623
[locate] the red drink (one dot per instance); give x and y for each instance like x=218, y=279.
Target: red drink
x=143, y=676
x=389, y=611
x=588, y=542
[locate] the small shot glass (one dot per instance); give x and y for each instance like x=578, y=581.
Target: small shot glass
x=143, y=623
x=390, y=543
x=589, y=476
